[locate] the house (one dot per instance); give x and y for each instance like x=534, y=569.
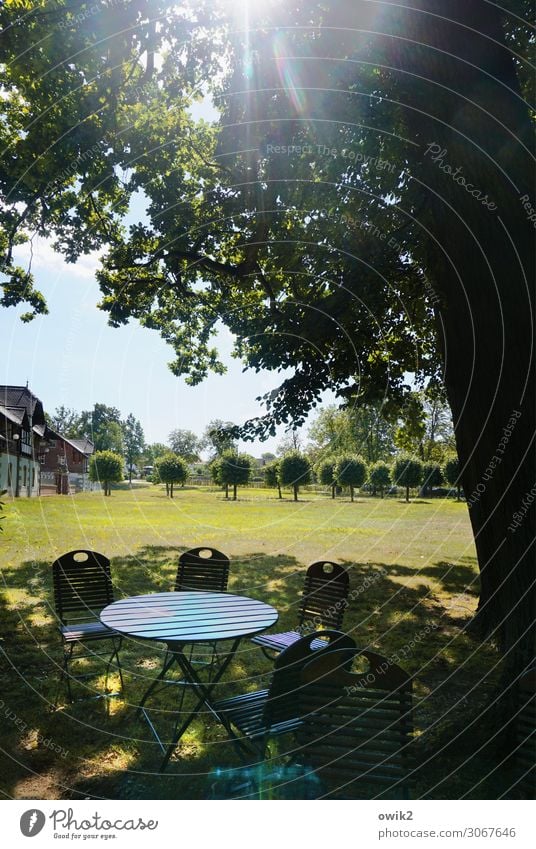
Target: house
x=64, y=462
x=22, y=425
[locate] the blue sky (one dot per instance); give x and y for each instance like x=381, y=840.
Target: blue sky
x=72, y=357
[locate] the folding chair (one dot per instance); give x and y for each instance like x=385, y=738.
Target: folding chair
x=323, y=602
x=82, y=588
x=275, y=711
x=526, y=733
x=207, y=570
x=203, y=569
x=357, y=729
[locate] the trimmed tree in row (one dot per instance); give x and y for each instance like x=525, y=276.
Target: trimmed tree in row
x=233, y=469
x=379, y=477
x=295, y=471
x=106, y=467
x=172, y=469
x=325, y=473
x=431, y=476
x=451, y=471
x=271, y=477
x=350, y=471
x=407, y=472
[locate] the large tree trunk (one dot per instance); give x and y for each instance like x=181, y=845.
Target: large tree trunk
x=464, y=111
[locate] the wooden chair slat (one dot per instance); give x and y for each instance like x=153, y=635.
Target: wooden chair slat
x=356, y=730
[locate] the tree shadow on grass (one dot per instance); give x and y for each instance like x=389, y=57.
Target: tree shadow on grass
x=455, y=577
x=104, y=752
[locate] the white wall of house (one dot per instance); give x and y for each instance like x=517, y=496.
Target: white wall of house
x=29, y=475
x=7, y=475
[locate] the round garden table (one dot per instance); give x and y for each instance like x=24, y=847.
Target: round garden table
x=184, y=618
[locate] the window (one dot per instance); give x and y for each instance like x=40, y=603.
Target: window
x=26, y=442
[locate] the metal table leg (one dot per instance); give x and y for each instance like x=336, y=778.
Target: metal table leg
x=205, y=691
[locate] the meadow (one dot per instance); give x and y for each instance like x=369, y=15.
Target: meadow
x=415, y=580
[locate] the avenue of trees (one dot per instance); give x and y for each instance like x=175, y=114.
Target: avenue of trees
x=395, y=238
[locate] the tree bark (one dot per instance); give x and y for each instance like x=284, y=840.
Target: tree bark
x=464, y=102
x=295, y=492
x=351, y=493
x=171, y=490
x=234, y=492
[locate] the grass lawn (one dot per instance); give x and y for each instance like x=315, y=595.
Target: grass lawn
x=416, y=566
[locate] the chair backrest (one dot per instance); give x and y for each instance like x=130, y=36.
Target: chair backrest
x=526, y=736
x=283, y=702
x=203, y=569
x=82, y=585
x=356, y=731
x=324, y=597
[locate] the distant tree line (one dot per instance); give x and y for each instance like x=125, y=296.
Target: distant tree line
x=351, y=472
